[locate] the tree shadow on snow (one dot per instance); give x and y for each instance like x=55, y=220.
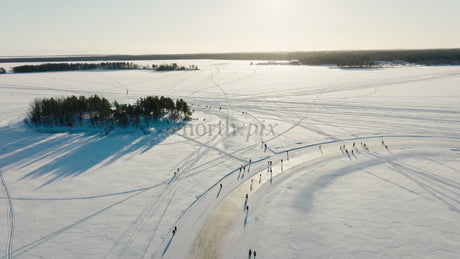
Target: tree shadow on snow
x=59, y=155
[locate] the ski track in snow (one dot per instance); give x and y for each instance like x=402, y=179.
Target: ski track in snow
x=25, y=248
x=10, y=217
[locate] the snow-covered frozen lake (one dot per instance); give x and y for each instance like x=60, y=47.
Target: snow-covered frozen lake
x=76, y=195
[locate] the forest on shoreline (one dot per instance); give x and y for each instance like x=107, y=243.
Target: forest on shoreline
x=422, y=57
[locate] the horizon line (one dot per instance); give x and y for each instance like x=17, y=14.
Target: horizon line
x=222, y=53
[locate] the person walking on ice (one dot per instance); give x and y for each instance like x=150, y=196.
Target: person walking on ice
x=281, y=165
x=383, y=143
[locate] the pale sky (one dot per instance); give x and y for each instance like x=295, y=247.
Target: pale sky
x=61, y=27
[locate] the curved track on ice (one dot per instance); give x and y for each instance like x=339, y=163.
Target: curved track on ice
x=209, y=241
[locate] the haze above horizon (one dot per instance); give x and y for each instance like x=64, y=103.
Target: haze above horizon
x=52, y=27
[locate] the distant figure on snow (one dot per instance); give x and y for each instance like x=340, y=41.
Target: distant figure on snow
x=250, y=253
x=221, y=186
x=255, y=254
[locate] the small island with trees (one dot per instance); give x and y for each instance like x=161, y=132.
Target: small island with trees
x=54, y=67
x=97, y=112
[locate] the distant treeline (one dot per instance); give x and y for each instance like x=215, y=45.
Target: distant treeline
x=423, y=57
x=49, y=67
x=74, y=66
x=95, y=111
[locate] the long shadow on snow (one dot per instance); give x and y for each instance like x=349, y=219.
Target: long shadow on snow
x=65, y=154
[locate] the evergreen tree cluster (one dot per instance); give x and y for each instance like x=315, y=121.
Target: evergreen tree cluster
x=98, y=112
x=74, y=66
x=2, y=70
x=172, y=67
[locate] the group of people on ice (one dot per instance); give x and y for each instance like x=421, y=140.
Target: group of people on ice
x=344, y=149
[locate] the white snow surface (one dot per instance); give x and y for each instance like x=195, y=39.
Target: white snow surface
x=72, y=194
